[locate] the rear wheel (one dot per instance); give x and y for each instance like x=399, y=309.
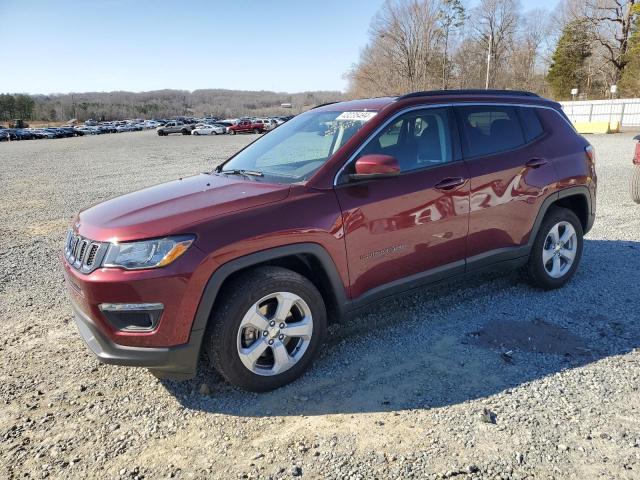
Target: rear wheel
x=186, y=132
x=267, y=330
x=556, y=250
x=232, y=132
x=255, y=130
x=635, y=184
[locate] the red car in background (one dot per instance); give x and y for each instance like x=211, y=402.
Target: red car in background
x=246, y=126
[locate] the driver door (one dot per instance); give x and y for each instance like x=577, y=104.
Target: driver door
x=412, y=228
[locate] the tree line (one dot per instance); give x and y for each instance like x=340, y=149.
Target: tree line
x=158, y=104
x=432, y=44
x=16, y=106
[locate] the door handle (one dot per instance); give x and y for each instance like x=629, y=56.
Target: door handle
x=536, y=162
x=450, y=183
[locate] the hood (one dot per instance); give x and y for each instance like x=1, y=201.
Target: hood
x=174, y=207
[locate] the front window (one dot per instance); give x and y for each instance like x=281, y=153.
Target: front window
x=294, y=151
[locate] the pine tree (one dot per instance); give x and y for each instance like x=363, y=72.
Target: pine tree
x=567, y=70
x=630, y=82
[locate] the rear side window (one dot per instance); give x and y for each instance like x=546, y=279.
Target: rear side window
x=490, y=129
x=530, y=123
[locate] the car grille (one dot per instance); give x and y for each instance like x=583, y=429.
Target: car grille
x=83, y=254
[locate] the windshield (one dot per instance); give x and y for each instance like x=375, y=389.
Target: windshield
x=295, y=150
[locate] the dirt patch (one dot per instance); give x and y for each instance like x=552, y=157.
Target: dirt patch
x=535, y=336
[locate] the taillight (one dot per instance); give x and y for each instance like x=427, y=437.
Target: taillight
x=591, y=153
x=636, y=158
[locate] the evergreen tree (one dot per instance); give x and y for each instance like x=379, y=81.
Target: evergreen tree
x=567, y=69
x=630, y=82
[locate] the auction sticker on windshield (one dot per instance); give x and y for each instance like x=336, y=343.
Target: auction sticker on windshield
x=361, y=116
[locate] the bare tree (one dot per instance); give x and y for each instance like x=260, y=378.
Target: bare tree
x=451, y=18
x=495, y=27
x=612, y=22
x=403, y=50
x=525, y=59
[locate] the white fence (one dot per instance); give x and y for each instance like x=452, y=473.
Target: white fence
x=624, y=110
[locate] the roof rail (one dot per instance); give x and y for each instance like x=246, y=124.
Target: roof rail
x=323, y=105
x=472, y=91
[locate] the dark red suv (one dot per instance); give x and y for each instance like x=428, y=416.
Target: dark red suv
x=342, y=206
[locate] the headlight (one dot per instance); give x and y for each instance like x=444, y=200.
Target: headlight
x=147, y=253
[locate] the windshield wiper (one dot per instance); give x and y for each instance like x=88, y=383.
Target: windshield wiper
x=242, y=172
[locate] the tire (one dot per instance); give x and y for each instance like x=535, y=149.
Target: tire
x=161, y=134
x=185, y=132
x=232, y=132
x=227, y=331
x=256, y=131
x=635, y=184
x=214, y=132
x=558, y=269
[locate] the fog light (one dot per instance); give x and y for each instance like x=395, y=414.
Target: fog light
x=132, y=317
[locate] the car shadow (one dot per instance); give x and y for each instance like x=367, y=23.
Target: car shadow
x=454, y=342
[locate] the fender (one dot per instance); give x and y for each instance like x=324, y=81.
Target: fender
x=183, y=360
x=224, y=271
x=554, y=197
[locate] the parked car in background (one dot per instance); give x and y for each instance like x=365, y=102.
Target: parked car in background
x=175, y=127
x=25, y=134
x=42, y=133
x=208, y=130
x=267, y=123
x=225, y=124
x=246, y=126
x=89, y=130
x=73, y=132
x=635, y=175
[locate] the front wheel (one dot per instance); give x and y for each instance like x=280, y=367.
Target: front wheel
x=635, y=184
x=255, y=130
x=267, y=330
x=557, y=249
x=232, y=132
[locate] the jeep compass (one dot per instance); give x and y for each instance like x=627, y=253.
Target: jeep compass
x=344, y=205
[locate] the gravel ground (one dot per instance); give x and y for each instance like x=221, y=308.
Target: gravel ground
x=439, y=384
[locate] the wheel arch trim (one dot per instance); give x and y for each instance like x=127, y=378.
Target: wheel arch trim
x=548, y=202
x=222, y=273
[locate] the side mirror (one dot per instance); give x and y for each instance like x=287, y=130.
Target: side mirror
x=375, y=165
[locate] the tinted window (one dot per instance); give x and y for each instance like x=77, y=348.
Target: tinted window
x=530, y=123
x=417, y=140
x=490, y=129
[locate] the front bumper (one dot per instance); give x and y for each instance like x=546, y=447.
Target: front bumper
x=179, y=362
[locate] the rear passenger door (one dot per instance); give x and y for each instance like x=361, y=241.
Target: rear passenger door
x=505, y=150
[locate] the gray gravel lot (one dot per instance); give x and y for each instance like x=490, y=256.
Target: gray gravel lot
x=420, y=387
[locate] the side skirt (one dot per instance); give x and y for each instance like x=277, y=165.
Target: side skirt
x=509, y=258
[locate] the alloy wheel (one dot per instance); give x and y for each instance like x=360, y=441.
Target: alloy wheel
x=274, y=333
x=559, y=250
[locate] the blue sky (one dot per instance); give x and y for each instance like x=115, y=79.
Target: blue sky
x=292, y=46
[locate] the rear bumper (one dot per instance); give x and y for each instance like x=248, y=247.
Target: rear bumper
x=179, y=362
